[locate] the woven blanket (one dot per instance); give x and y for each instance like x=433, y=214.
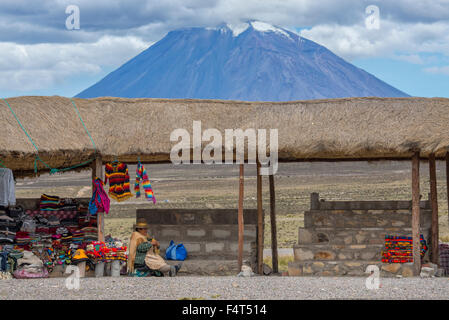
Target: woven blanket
x=444, y=257
x=400, y=249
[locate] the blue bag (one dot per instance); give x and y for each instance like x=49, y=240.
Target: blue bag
x=176, y=252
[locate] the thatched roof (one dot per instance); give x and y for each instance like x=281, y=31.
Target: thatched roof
x=334, y=129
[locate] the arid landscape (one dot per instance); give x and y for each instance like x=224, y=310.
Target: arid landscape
x=216, y=186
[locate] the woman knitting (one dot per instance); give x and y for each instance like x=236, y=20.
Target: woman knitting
x=144, y=258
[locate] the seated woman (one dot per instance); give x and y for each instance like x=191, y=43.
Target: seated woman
x=144, y=258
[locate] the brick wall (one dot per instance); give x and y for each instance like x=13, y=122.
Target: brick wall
x=344, y=237
x=210, y=234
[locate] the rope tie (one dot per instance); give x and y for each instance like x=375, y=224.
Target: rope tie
x=87, y=131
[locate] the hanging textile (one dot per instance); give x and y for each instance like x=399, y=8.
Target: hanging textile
x=100, y=201
x=7, y=188
x=117, y=174
x=142, y=176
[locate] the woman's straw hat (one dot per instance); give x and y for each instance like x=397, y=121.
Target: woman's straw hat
x=141, y=224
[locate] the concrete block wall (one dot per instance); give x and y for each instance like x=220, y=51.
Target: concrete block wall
x=207, y=234
x=344, y=237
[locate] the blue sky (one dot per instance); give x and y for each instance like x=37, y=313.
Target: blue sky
x=39, y=56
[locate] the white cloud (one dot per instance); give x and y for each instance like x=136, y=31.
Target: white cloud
x=391, y=39
x=438, y=70
x=38, y=52
x=38, y=66
x=411, y=58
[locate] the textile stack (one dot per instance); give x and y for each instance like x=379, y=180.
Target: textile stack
x=50, y=234
x=110, y=250
x=62, y=231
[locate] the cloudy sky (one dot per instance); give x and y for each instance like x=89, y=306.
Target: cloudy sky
x=40, y=56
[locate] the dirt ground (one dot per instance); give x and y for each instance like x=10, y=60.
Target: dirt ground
x=216, y=186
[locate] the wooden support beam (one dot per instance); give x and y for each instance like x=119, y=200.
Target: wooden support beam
x=97, y=171
x=274, y=240
x=259, y=222
x=240, y=216
x=434, y=203
x=447, y=182
x=416, y=214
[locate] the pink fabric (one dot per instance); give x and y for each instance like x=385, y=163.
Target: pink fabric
x=98, y=191
x=23, y=274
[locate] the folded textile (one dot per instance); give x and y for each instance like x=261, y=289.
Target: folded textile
x=60, y=214
x=400, y=249
x=61, y=230
x=30, y=259
x=90, y=233
x=444, y=257
x=87, y=221
x=49, y=203
x=30, y=273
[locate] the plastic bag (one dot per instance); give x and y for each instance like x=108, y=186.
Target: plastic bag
x=176, y=252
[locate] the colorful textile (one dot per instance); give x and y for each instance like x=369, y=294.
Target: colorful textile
x=144, y=271
x=54, y=203
x=400, y=249
x=87, y=221
x=90, y=233
x=60, y=214
x=78, y=236
x=117, y=174
x=99, y=251
x=444, y=257
x=50, y=203
x=142, y=176
x=100, y=201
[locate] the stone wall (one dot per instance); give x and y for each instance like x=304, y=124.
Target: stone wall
x=209, y=235
x=344, y=237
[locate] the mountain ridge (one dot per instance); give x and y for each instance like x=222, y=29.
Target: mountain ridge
x=250, y=62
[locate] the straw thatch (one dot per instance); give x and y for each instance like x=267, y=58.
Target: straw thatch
x=335, y=129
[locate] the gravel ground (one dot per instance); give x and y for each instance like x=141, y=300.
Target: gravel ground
x=226, y=288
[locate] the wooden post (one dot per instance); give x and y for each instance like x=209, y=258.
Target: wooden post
x=240, y=216
x=415, y=215
x=434, y=203
x=274, y=240
x=97, y=171
x=259, y=222
x=447, y=182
